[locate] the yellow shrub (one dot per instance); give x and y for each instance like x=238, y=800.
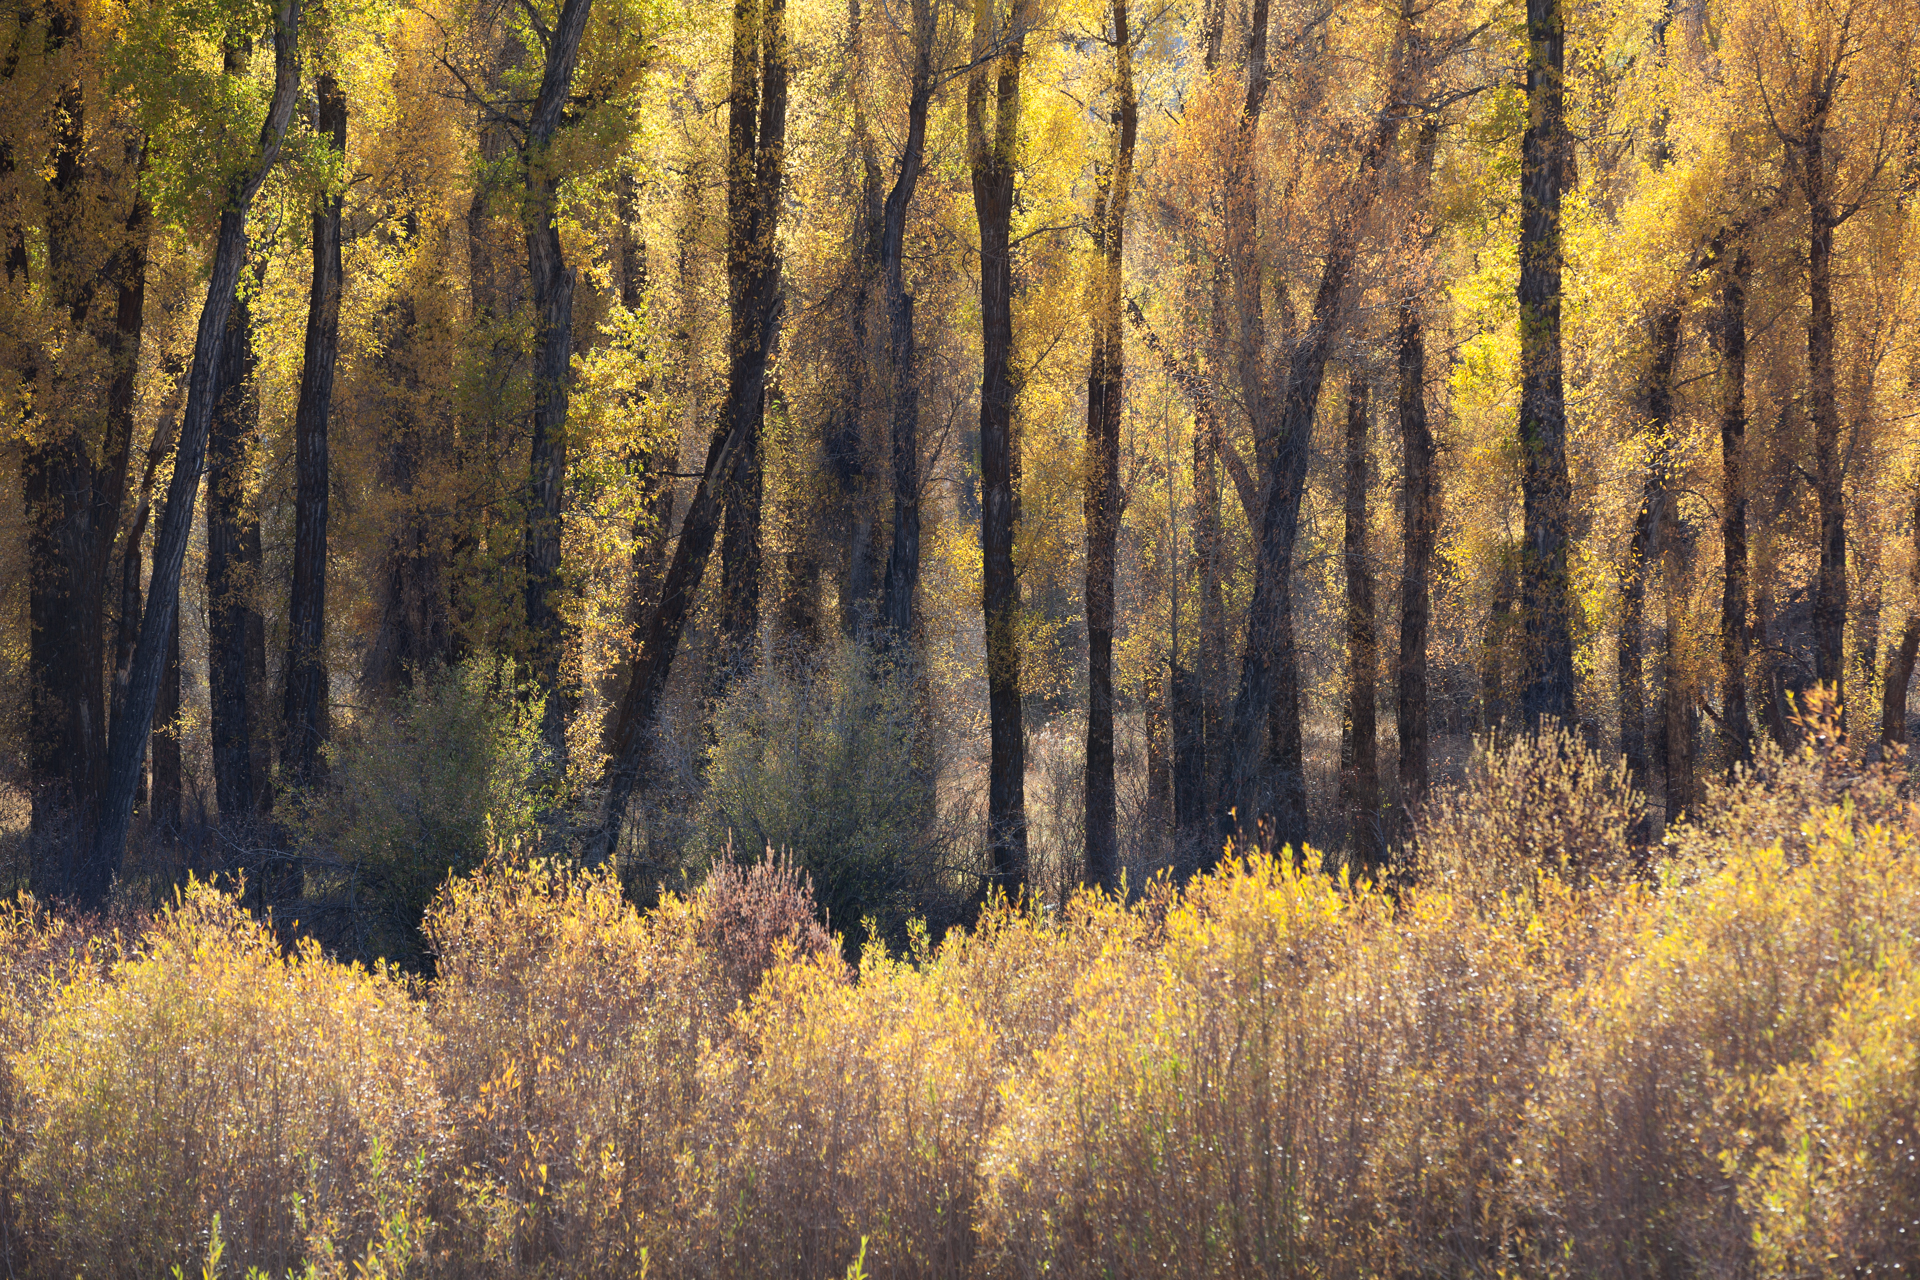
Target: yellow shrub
x=203, y=1073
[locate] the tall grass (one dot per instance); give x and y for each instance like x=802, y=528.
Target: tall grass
x=1546, y=1053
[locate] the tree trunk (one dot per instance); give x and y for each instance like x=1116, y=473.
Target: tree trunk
x=1106, y=379
x=127, y=742
x=1830, y=591
x=1733, y=507
x=1679, y=688
x=1644, y=551
x=307, y=701
x=1365, y=837
x=1893, y=695
x=553, y=283
x=1547, y=691
x=233, y=568
x=757, y=122
x=165, y=793
x=1420, y=522
x=903, y=407
x=752, y=315
x=991, y=166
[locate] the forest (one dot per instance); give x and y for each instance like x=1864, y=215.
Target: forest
x=959, y=637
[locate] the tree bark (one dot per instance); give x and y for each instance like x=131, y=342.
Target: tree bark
x=127, y=741
x=1644, y=552
x=1679, y=688
x=307, y=701
x=233, y=571
x=166, y=790
x=1365, y=836
x=1106, y=378
x=991, y=165
x=903, y=406
x=1733, y=507
x=1420, y=522
x=1893, y=695
x=553, y=284
x=1547, y=690
x=1830, y=591
x=757, y=122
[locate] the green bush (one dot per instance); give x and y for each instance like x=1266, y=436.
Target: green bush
x=819, y=761
x=418, y=794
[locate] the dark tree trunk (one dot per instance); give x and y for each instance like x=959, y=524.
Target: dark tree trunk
x=852, y=511
x=127, y=741
x=1106, y=379
x=1679, y=685
x=1830, y=591
x=1644, y=552
x=1420, y=523
x=553, y=283
x=233, y=568
x=1547, y=689
x=752, y=315
x=1893, y=696
x=307, y=702
x=903, y=405
x=166, y=738
x=991, y=163
x=757, y=123
x=1733, y=507
x=1365, y=836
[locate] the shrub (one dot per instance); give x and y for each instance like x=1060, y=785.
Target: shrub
x=818, y=760
x=202, y=1073
x=416, y=796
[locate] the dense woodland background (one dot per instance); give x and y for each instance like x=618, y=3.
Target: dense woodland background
x=1008, y=446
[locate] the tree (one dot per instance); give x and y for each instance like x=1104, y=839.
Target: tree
x=1361, y=772
x=132, y=718
x=1106, y=380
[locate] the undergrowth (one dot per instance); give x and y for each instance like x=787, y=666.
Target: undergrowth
x=1543, y=1051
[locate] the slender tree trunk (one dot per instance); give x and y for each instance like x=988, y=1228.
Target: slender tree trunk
x=1362, y=797
x=233, y=564
x=1830, y=591
x=127, y=741
x=1644, y=551
x=1547, y=692
x=553, y=284
x=1420, y=522
x=1893, y=694
x=307, y=702
x=1733, y=507
x=1106, y=382
x=903, y=408
x=1679, y=687
x=166, y=788
x=991, y=162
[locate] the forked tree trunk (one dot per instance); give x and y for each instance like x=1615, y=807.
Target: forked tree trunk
x=305, y=718
x=127, y=741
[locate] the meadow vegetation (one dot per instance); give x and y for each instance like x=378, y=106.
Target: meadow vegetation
x=1535, y=1050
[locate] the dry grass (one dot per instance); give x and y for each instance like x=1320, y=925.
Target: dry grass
x=1551, y=1054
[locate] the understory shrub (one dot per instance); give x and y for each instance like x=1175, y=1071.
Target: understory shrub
x=1519, y=1061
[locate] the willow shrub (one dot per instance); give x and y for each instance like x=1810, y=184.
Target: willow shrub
x=1579, y=1060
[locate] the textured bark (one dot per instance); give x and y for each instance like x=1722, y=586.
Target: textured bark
x=753, y=311
x=1106, y=379
x=990, y=161
x=1736, y=719
x=1362, y=774
x=553, y=283
x=1830, y=589
x=1420, y=523
x=1679, y=693
x=165, y=792
x=1644, y=552
x=233, y=569
x=903, y=385
x=127, y=741
x=1899, y=678
x=756, y=167
x=1547, y=689
x=305, y=716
